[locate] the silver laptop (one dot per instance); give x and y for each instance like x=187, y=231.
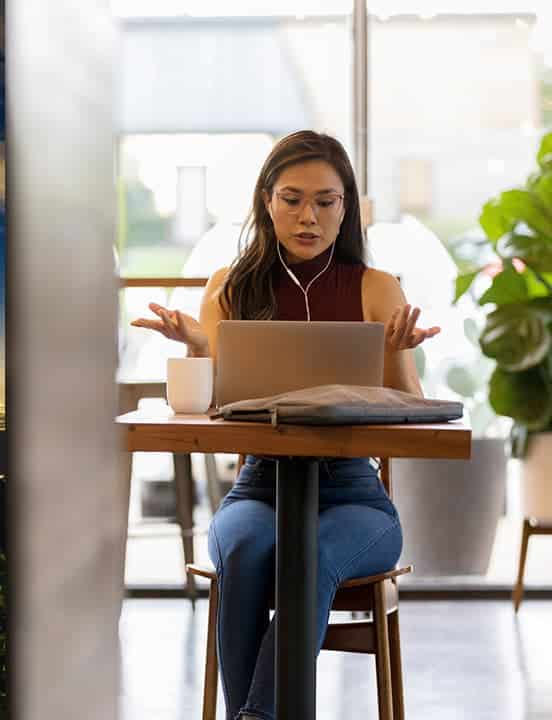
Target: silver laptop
x=259, y=358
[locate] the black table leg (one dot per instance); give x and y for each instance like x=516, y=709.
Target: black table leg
x=296, y=582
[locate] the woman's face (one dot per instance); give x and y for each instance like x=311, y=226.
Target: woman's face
x=307, y=209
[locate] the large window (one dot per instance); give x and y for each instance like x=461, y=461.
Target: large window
x=456, y=105
x=203, y=100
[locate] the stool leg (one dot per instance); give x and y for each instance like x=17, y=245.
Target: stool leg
x=517, y=592
x=383, y=660
x=124, y=478
x=128, y=400
x=184, y=510
x=211, y=665
x=396, y=666
x=213, y=488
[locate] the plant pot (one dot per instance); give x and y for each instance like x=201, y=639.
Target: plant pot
x=450, y=509
x=536, y=478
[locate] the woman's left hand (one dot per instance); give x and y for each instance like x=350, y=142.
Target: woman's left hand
x=401, y=332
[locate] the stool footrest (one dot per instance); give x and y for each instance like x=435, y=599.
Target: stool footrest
x=357, y=637
x=201, y=570
x=371, y=579
x=210, y=573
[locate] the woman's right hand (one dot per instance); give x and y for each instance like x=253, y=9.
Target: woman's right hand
x=176, y=325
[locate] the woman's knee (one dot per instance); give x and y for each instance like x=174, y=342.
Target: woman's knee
x=242, y=536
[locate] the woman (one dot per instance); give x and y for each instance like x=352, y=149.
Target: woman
x=303, y=261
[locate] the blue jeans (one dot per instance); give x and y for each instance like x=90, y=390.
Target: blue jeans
x=359, y=534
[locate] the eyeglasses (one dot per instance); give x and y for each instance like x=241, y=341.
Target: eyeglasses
x=327, y=205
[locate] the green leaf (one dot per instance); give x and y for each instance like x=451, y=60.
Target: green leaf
x=544, y=155
x=461, y=381
x=541, y=188
x=533, y=179
x=463, y=282
x=542, y=305
x=494, y=220
x=534, y=250
x=535, y=285
x=547, y=366
x=520, y=206
x=516, y=336
x=507, y=287
x=523, y=396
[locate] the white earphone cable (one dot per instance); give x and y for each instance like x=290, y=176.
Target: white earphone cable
x=296, y=281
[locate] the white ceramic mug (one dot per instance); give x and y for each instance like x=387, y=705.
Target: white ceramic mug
x=189, y=384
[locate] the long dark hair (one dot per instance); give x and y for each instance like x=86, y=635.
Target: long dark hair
x=247, y=292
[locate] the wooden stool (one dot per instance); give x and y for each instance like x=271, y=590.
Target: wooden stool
x=530, y=527
x=378, y=635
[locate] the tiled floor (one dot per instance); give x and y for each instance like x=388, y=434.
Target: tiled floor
x=462, y=661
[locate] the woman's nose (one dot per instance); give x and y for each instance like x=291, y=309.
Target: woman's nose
x=307, y=213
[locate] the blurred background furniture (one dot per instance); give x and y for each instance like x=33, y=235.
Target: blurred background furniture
x=130, y=392
x=450, y=509
x=530, y=527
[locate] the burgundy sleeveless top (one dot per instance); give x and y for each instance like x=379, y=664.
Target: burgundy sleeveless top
x=335, y=295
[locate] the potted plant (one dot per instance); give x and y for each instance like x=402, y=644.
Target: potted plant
x=517, y=332
x=450, y=508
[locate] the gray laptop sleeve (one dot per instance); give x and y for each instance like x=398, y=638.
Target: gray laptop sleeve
x=342, y=405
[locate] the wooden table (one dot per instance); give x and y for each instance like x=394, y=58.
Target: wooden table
x=297, y=449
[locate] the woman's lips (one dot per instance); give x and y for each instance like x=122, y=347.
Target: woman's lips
x=306, y=239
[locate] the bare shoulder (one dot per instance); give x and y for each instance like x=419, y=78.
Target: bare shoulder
x=215, y=284
x=381, y=293
x=379, y=279
x=216, y=280
x=211, y=307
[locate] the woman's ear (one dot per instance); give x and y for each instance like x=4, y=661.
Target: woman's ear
x=266, y=200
